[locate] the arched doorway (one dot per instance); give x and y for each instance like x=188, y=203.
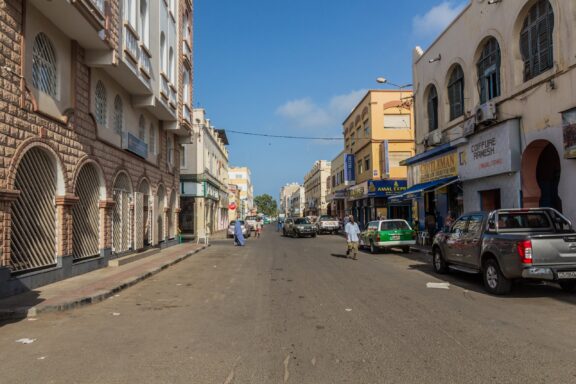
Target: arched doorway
x=147, y=214
x=171, y=212
x=160, y=214
x=86, y=214
x=541, y=170
x=33, y=227
x=122, y=195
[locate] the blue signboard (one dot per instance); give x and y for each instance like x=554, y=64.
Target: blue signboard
x=135, y=145
x=385, y=188
x=349, y=174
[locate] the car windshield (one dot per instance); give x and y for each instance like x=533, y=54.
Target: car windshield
x=393, y=225
x=301, y=221
x=532, y=220
x=234, y=222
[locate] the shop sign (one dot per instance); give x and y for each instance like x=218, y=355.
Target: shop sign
x=191, y=188
x=339, y=195
x=232, y=206
x=437, y=168
x=349, y=170
x=133, y=144
x=358, y=191
x=211, y=191
x=385, y=188
x=491, y=152
x=569, y=130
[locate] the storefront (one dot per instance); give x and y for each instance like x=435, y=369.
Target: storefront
x=337, y=205
x=488, y=167
x=359, y=203
x=435, y=188
x=379, y=191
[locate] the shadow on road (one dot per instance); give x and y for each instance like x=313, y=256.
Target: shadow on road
x=521, y=289
x=339, y=255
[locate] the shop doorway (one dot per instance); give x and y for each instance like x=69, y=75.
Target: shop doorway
x=490, y=200
x=541, y=170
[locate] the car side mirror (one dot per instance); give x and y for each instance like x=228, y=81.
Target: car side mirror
x=491, y=225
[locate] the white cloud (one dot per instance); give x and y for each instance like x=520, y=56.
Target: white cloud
x=305, y=113
x=436, y=19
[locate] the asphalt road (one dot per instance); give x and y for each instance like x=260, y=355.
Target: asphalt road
x=283, y=310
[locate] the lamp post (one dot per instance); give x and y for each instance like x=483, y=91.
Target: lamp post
x=383, y=80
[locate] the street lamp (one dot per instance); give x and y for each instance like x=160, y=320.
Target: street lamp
x=383, y=80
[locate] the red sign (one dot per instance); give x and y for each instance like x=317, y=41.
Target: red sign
x=232, y=206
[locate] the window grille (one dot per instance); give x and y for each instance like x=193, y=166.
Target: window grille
x=121, y=239
x=536, y=44
x=118, y=115
x=152, y=140
x=160, y=214
x=432, y=109
x=101, y=103
x=85, y=214
x=44, y=76
x=489, y=71
x=142, y=128
x=456, y=93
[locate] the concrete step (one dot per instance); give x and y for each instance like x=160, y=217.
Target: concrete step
x=133, y=257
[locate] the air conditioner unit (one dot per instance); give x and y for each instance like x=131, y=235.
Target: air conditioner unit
x=485, y=113
x=435, y=137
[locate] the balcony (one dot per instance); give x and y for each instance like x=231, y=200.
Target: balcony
x=131, y=46
x=164, y=87
x=173, y=96
x=186, y=113
x=145, y=62
x=187, y=53
x=99, y=4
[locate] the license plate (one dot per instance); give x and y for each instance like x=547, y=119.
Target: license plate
x=567, y=275
x=395, y=237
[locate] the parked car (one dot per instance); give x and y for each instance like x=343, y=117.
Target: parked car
x=243, y=225
x=327, y=224
x=298, y=227
x=510, y=244
x=251, y=221
x=383, y=234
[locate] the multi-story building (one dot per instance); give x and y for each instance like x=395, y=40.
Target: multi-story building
x=285, y=196
x=378, y=134
x=241, y=177
x=315, y=186
x=496, y=114
x=94, y=95
x=204, y=178
x=337, y=196
x=297, y=202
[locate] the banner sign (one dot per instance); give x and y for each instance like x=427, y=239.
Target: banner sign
x=133, y=144
x=385, y=188
x=438, y=168
x=349, y=170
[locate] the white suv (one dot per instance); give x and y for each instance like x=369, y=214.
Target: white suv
x=327, y=224
x=251, y=221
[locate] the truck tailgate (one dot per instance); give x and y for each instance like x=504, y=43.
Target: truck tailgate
x=557, y=249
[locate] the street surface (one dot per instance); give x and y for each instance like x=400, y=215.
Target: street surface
x=283, y=310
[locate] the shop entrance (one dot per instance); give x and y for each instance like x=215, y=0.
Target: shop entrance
x=490, y=200
x=541, y=171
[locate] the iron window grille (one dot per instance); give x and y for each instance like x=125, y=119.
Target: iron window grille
x=44, y=76
x=536, y=44
x=101, y=102
x=489, y=71
x=456, y=93
x=432, y=109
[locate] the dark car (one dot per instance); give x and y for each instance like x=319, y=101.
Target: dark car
x=298, y=227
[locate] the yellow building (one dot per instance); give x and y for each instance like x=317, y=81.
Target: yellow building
x=379, y=134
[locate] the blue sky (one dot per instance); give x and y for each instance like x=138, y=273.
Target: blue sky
x=297, y=68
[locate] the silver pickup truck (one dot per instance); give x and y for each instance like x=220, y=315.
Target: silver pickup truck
x=507, y=245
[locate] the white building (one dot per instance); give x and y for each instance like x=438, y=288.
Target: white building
x=285, y=196
x=297, y=202
x=241, y=176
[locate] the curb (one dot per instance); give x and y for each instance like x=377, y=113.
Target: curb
x=421, y=250
x=24, y=312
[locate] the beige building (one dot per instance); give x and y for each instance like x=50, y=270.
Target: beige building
x=337, y=196
x=285, y=196
x=233, y=202
x=316, y=184
x=497, y=109
x=297, y=202
x=241, y=176
x=96, y=97
x=379, y=134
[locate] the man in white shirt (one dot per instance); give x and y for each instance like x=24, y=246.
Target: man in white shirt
x=352, y=231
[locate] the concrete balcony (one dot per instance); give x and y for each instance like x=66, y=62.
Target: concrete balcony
x=187, y=53
x=186, y=114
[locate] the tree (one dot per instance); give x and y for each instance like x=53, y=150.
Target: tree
x=266, y=205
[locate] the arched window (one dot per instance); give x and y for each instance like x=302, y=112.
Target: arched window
x=142, y=128
x=489, y=71
x=536, y=45
x=186, y=87
x=432, y=109
x=163, y=52
x=44, y=75
x=171, y=65
x=101, y=101
x=118, y=115
x=456, y=92
x=144, y=22
x=152, y=140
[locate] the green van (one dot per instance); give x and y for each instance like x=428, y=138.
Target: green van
x=384, y=234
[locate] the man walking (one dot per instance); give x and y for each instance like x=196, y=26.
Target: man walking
x=352, y=232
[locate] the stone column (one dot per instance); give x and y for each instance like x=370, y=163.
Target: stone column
x=177, y=221
x=165, y=220
x=6, y=199
x=106, y=208
x=64, y=225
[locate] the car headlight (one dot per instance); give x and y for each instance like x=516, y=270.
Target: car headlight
x=300, y=227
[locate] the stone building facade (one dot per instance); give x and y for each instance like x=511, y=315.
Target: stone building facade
x=93, y=101
x=316, y=185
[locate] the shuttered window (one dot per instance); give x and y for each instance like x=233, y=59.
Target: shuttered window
x=536, y=45
x=101, y=103
x=489, y=71
x=118, y=115
x=456, y=92
x=432, y=109
x=44, y=77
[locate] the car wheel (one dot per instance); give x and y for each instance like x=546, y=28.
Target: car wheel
x=438, y=262
x=372, y=247
x=568, y=286
x=406, y=249
x=494, y=281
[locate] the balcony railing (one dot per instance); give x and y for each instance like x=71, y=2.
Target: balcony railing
x=186, y=51
x=165, y=88
x=99, y=4
x=145, y=61
x=131, y=46
x=186, y=113
x=172, y=96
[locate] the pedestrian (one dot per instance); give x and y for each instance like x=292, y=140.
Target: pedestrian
x=258, y=227
x=450, y=219
x=352, y=231
x=238, y=235
x=279, y=225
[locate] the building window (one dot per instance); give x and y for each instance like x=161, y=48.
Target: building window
x=432, y=109
x=456, y=92
x=367, y=163
x=360, y=167
x=397, y=122
x=171, y=65
x=489, y=71
x=44, y=76
x=394, y=158
x=536, y=40
x=169, y=150
x=118, y=119
x=186, y=87
x=366, y=129
x=130, y=12
x=182, y=157
x=151, y=140
x=144, y=23
x=142, y=128
x=163, y=55
x=101, y=104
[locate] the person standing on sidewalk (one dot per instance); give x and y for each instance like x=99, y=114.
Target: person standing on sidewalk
x=352, y=231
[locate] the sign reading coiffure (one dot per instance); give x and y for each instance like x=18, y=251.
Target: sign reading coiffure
x=491, y=152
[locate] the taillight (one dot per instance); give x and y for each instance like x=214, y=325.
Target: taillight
x=378, y=237
x=525, y=251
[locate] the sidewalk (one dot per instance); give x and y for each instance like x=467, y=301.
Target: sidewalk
x=94, y=286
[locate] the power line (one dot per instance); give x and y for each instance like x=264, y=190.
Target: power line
x=284, y=136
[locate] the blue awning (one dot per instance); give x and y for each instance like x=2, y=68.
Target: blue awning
x=415, y=191
x=428, y=154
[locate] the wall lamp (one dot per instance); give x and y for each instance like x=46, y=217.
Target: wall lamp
x=437, y=58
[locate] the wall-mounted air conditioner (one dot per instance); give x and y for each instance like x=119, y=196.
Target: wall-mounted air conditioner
x=485, y=113
x=435, y=137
